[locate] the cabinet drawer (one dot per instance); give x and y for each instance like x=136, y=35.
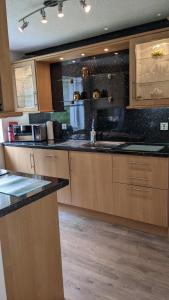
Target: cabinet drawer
x=142, y=171
x=52, y=163
x=141, y=204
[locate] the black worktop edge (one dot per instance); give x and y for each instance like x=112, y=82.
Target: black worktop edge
x=117, y=150
x=54, y=186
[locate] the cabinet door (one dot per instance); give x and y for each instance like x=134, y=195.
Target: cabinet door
x=141, y=171
x=91, y=180
x=19, y=159
x=54, y=163
x=149, y=70
x=140, y=204
x=25, y=86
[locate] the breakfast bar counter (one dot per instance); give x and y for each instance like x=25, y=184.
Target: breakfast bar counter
x=30, y=259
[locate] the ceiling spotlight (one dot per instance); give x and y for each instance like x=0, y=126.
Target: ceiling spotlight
x=106, y=50
x=159, y=15
x=23, y=26
x=61, y=58
x=106, y=28
x=60, y=9
x=73, y=61
x=43, y=13
x=116, y=53
x=82, y=54
x=86, y=6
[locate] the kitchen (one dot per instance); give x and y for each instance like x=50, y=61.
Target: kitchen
x=84, y=139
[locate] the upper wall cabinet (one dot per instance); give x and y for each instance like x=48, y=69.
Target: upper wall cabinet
x=6, y=90
x=32, y=86
x=149, y=71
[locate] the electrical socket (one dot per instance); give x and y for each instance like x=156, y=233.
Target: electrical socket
x=164, y=126
x=64, y=126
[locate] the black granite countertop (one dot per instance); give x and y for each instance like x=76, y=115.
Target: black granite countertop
x=84, y=146
x=19, y=189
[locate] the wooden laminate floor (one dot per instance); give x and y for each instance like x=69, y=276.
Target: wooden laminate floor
x=103, y=262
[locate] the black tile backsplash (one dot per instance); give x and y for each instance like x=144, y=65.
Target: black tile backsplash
x=144, y=123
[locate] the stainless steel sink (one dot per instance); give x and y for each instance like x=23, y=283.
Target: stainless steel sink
x=104, y=144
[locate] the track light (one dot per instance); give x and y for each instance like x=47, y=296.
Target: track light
x=60, y=9
x=46, y=5
x=86, y=6
x=43, y=13
x=23, y=26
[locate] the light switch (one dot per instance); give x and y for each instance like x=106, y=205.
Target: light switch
x=164, y=126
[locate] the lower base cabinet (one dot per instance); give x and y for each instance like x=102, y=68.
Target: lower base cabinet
x=91, y=180
x=121, y=185
x=19, y=159
x=52, y=163
x=142, y=204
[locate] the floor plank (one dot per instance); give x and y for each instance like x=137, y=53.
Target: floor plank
x=106, y=262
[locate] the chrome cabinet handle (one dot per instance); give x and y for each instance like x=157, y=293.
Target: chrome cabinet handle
x=51, y=156
x=35, y=98
x=133, y=189
x=138, y=178
x=32, y=161
x=136, y=163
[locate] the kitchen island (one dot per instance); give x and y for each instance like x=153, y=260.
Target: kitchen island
x=30, y=259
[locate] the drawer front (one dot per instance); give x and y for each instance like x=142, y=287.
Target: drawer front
x=141, y=171
x=140, y=203
x=54, y=163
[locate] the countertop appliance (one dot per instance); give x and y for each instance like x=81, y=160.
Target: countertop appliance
x=33, y=132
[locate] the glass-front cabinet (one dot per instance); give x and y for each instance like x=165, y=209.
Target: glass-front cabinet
x=32, y=86
x=149, y=70
x=25, y=86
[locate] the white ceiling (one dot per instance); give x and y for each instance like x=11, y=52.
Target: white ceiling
x=76, y=25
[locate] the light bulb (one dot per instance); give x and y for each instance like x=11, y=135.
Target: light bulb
x=87, y=8
x=23, y=26
x=60, y=10
x=43, y=13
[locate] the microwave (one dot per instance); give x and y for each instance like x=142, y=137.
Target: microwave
x=33, y=132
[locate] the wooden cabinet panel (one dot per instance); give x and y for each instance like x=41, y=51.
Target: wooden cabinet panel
x=91, y=180
x=19, y=159
x=149, y=79
x=32, y=86
x=140, y=203
x=141, y=171
x=54, y=163
x=6, y=87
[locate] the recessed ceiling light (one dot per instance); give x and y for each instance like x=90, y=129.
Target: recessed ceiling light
x=106, y=28
x=159, y=14
x=73, y=61
x=116, y=53
x=61, y=58
x=106, y=50
x=82, y=54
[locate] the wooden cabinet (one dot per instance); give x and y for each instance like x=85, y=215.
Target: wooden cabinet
x=149, y=70
x=32, y=86
x=19, y=159
x=54, y=163
x=140, y=204
x=91, y=180
x=6, y=89
x=141, y=171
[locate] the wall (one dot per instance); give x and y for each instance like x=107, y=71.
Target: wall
x=143, y=124
x=5, y=122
